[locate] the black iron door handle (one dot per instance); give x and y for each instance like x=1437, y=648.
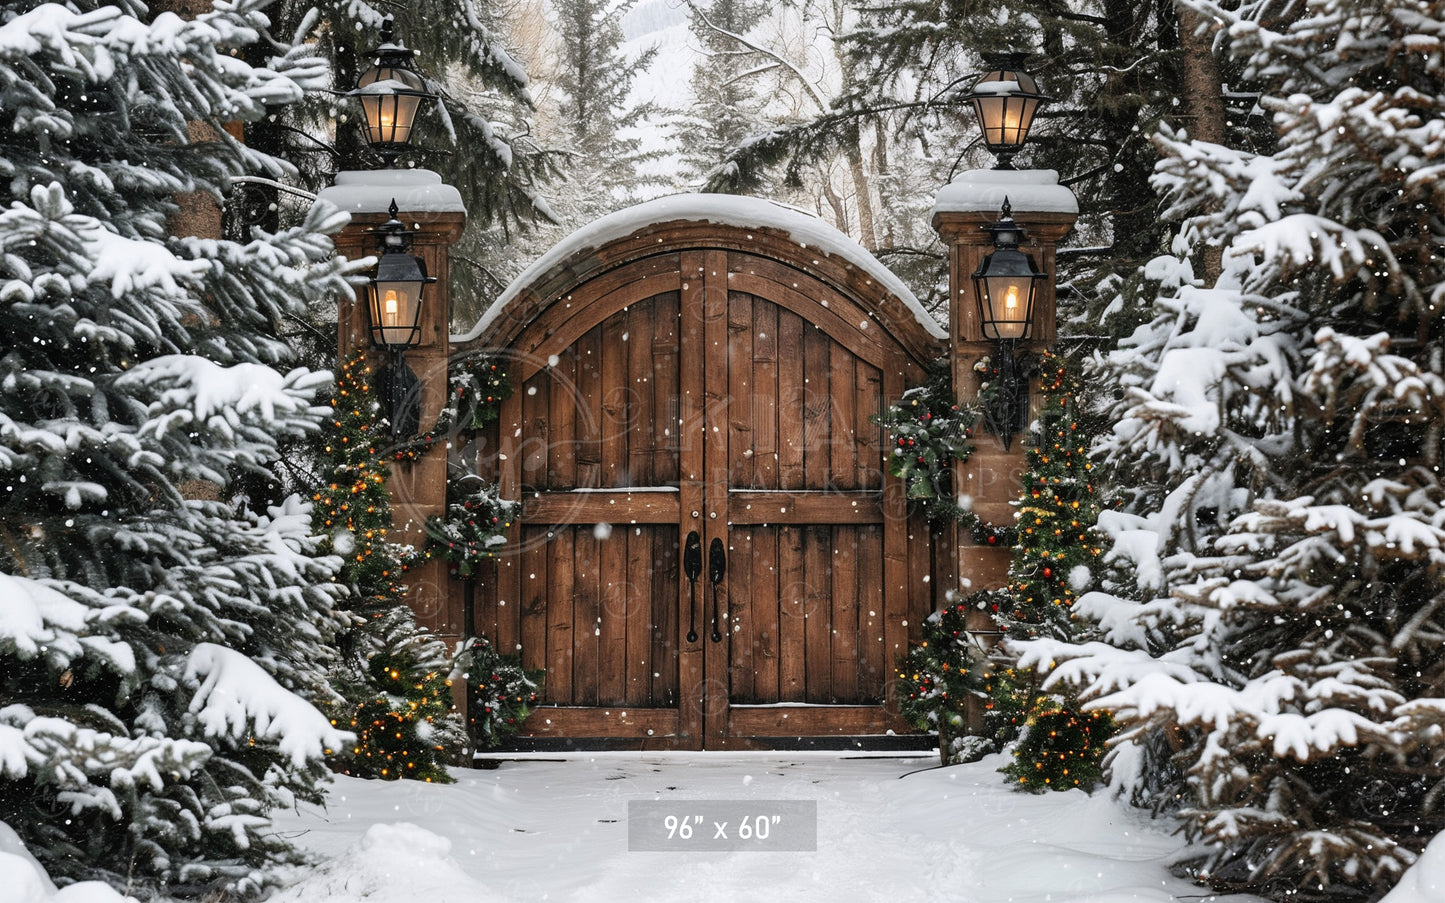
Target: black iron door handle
x=717, y=566
x=692, y=567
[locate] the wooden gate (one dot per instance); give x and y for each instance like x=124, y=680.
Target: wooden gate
x=710, y=553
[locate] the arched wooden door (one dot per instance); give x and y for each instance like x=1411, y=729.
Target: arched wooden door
x=717, y=401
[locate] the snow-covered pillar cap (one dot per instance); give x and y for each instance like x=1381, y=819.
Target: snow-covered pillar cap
x=984, y=191
x=416, y=191
x=963, y=212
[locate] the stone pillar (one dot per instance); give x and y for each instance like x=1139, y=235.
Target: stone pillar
x=435, y=215
x=962, y=210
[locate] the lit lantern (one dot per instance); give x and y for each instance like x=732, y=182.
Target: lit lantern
x=1007, y=283
x=394, y=296
x=395, y=288
x=1005, y=100
x=1005, y=286
x=390, y=92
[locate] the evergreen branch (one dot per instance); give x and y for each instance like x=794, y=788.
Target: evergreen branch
x=271, y=183
x=808, y=86
x=481, y=268
x=757, y=70
x=315, y=333
x=799, y=144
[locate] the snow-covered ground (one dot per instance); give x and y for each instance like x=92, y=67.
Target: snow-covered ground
x=888, y=828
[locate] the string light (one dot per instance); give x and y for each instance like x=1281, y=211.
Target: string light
x=399, y=707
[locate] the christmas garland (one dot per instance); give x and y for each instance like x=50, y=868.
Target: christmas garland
x=475, y=527
x=985, y=533
x=475, y=392
x=502, y=693
x=930, y=431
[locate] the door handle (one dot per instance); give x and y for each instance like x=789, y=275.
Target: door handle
x=692, y=567
x=717, y=565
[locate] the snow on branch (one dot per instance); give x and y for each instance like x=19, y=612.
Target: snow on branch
x=1282, y=712
x=236, y=697
x=1306, y=240
x=36, y=620
x=813, y=93
x=193, y=389
x=88, y=765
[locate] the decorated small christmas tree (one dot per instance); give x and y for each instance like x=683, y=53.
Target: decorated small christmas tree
x=392, y=674
x=1055, y=549
x=403, y=723
x=1057, y=745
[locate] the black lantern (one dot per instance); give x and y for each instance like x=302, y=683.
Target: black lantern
x=394, y=297
x=395, y=288
x=1005, y=100
x=390, y=92
x=1006, y=284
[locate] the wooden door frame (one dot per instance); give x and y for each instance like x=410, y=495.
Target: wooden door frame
x=582, y=291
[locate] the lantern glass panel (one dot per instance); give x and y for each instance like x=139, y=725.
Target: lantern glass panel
x=395, y=311
x=1005, y=101
x=390, y=115
x=1009, y=305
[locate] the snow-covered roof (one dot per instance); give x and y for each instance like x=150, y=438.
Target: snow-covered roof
x=372, y=191
x=724, y=209
x=984, y=190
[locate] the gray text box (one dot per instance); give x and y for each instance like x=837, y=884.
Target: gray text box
x=713, y=826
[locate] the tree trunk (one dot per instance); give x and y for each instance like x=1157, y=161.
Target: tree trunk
x=1203, y=98
x=889, y=238
x=867, y=237
x=835, y=202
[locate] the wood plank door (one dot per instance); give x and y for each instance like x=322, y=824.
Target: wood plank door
x=595, y=461
x=724, y=397
x=795, y=473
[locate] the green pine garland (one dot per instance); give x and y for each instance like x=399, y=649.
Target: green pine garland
x=941, y=675
x=475, y=527
x=476, y=389
x=930, y=431
x=474, y=530
x=502, y=694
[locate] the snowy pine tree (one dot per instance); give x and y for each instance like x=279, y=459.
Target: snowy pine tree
x=596, y=124
x=159, y=641
x=725, y=106
x=1273, y=645
x=391, y=675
